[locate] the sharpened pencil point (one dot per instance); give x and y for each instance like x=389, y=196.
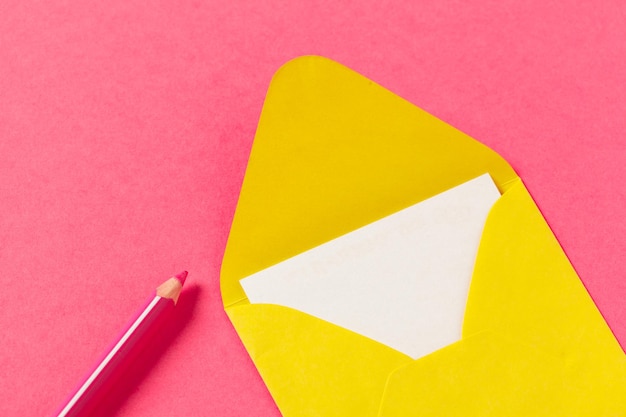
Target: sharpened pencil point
x=181, y=277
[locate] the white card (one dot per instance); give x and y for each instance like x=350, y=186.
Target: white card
x=402, y=280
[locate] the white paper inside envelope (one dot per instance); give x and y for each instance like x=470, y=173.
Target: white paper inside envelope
x=402, y=280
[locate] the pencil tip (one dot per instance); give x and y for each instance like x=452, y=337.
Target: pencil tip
x=181, y=277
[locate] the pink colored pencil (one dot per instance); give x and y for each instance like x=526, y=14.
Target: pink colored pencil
x=131, y=342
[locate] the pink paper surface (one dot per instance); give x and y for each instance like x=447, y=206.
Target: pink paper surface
x=125, y=128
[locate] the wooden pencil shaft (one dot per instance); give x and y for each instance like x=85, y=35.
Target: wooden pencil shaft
x=131, y=342
x=133, y=339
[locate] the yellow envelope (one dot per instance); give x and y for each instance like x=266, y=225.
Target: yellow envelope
x=333, y=152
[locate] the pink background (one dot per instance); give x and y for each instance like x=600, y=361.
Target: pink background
x=125, y=127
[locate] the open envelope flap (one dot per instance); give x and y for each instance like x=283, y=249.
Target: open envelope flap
x=312, y=367
x=333, y=152
x=487, y=375
x=523, y=283
x=534, y=343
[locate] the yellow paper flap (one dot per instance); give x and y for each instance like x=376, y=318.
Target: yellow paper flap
x=524, y=284
x=534, y=343
x=488, y=375
x=312, y=367
x=335, y=151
